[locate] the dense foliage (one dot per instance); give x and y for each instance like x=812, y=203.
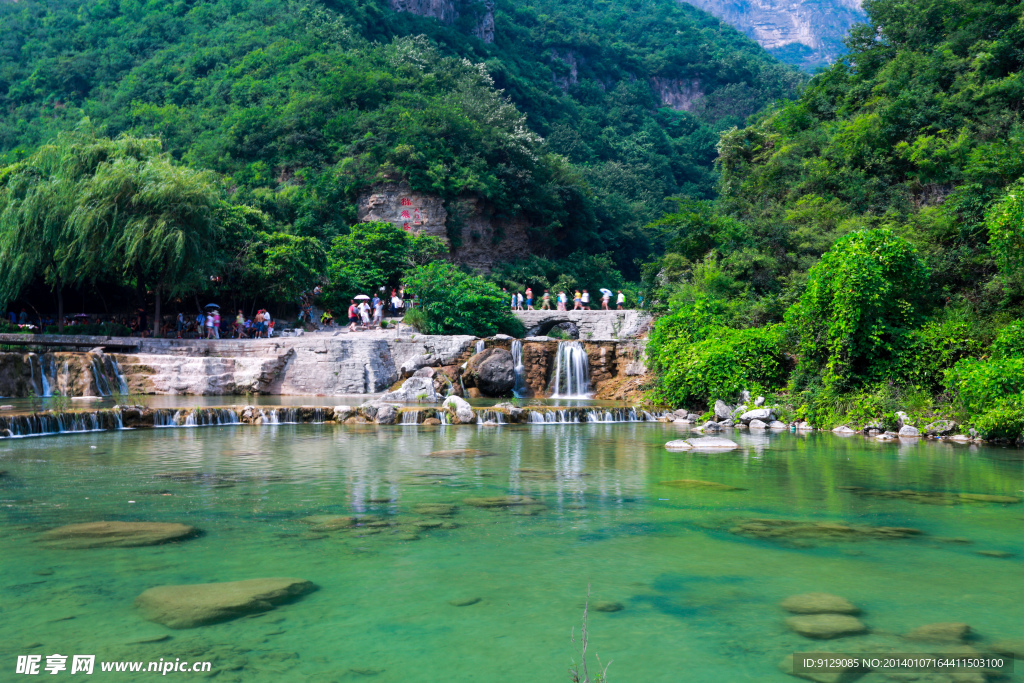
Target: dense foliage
x=304, y=104
x=880, y=217
x=455, y=302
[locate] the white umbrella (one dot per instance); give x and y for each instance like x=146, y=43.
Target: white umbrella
x=606, y=292
x=360, y=297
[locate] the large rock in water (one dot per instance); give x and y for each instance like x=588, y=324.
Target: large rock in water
x=416, y=388
x=191, y=605
x=723, y=411
x=116, y=534
x=459, y=410
x=492, y=371
x=707, y=443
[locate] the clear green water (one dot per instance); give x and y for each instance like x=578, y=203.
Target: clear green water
x=700, y=604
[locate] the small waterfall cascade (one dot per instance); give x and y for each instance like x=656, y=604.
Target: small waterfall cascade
x=44, y=424
x=43, y=384
x=480, y=345
x=520, y=390
x=195, y=417
x=100, y=377
x=490, y=417
x=411, y=417
x=571, y=378
x=122, y=383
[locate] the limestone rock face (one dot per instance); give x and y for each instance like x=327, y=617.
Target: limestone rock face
x=492, y=371
x=808, y=33
x=191, y=605
x=116, y=534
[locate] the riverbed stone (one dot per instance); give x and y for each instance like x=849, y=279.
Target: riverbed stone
x=1000, y=554
x=786, y=529
x=777, y=426
x=944, y=632
x=607, y=606
x=848, y=675
x=416, y=388
x=723, y=411
x=1008, y=647
x=464, y=602
x=707, y=443
x=758, y=424
x=843, y=429
x=935, y=497
x=697, y=484
x=116, y=534
x=459, y=453
x=826, y=626
x=192, y=605
x=818, y=603
x=906, y=431
x=763, y=414
x=434, y=509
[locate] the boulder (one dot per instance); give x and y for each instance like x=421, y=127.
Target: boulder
x=826, y=626
x=901, y=419
x=606, y=606
x=416, y=388
x=492, y=371
x=723, y=411
x=329, y=522
x=940, y=428
x=945, y=632
x=342, y=413
x=459, y=410
x=191, y=605
x=764, y=414
x=427, y=372
x=757, y=424
x=382, y=413
x=710, y=426
x=843, y=429
x=707, y=443
x=907, y=431
x=727, y=423
x=778, y=426
x=410, y=366
x=818, y=603
x=569, y=329
x=759, y=401
x=116, y=534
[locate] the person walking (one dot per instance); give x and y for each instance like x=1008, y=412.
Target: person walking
x=545, y=304
x=268, y=323
x=378, y=312
x=577, y=301
x=179, y=324
x=353, y=315
x=519, y=301
x=529, y=299
x=620, y=300
x=364, y=314
x=513, y=301
x=563, y=301
x=585, y=300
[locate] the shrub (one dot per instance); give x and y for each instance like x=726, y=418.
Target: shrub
x=454, y=302
x=1009, y=343
x=862, y=300
x=416, y=319
x=720, y=366
x=980, y=384
x=8, y=327
x=1005, y=420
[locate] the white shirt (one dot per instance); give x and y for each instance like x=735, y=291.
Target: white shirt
x=621, y=298
x=585, y=298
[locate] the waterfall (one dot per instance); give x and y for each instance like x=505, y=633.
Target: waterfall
x=66, y=377
x=411, y=417
x=122, y=384
x=520, y=390
x=480, y=345
x=102, y=385
x=571, y=378
x=43, y=424
x=43, y=382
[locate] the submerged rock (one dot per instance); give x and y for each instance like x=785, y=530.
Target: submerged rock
x=818, y=603
x=707, y=443
x=116, y=534
x=191, y=605
x=934, y=497
x=698, y=484
x=461, y=453
x=1001, y=554
x=435, y=509
x=501, y=501
x=946, y=632
x=1008, y=648
x=463, y=602
x=607, y=606
x=847, y=675
x=826, y=626
x=784, y=529
x=328, y=522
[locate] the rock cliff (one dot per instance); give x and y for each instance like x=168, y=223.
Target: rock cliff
x=807, y=33
x=449, y=11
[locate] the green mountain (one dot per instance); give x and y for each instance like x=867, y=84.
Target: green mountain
x=304, y=106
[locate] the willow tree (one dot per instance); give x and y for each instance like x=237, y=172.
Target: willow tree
x=155, y=219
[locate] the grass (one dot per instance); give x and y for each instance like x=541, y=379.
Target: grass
x=576, y=675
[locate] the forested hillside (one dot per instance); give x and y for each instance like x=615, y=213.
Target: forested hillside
x=302, y=105
x=863, y=253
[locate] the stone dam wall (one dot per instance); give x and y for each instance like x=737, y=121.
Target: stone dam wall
x=315, y=365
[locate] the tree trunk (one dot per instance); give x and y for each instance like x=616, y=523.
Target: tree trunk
x=60, y=309
x=156, y=316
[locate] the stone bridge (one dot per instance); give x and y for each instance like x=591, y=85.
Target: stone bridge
x=593, y=325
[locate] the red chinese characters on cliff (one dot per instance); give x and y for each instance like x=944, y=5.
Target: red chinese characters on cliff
x=406, y=201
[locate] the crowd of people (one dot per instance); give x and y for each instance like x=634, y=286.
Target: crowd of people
x=580, y=300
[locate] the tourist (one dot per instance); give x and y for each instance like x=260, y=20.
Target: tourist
x=179, y=324
x=240, y=324
x=258, y=324
x=514, y=301
x=563, y=300
x=519, y=301
x=396, y=304
x=364, y=314
x=604, y=300
x=620, y=300
x=529, y=299
x=23, y=317
x=13, y=318
x=268, y=323
x=327, y=319
x=378, y=311
x=546, y=301
x=353, y=315
x=216, y=323
x=577, y=301
x=585, y=300
x=375, y=301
